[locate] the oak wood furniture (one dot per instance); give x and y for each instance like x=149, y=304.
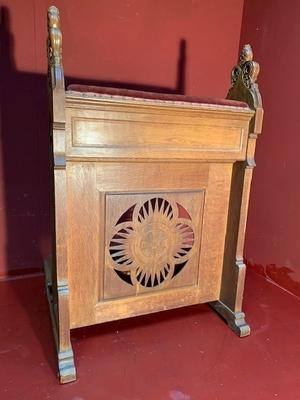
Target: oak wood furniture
x=150, y=199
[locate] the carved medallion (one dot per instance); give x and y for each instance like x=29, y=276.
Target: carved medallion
x=152, y=242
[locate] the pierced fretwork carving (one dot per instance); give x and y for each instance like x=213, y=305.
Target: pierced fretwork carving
x=248, y=69
x=152, y=243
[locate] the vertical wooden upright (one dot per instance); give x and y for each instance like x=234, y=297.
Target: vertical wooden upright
x=57, y=270
x=244, y=88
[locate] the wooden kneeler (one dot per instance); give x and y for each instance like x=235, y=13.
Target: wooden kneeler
x=150, y=196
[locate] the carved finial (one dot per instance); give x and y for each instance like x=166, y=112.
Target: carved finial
x=54, y=37
x=243, y=79
x=246, y=54
x=247, y=69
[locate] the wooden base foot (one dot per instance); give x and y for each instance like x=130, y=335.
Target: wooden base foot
x=66, y=366
x=235, y=320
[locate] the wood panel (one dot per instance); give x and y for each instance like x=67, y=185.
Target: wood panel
x=114, y=132
x=88, y=184
x=111, y=129
x=101, y=198
x=139, y=176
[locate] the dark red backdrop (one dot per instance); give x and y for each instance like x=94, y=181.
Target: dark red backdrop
x=171, y=45
x=273, y=232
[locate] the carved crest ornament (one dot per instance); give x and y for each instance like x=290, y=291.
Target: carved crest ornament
x=247, y=69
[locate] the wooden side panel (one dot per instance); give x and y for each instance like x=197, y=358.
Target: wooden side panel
x=147, y=196
x=142, y=239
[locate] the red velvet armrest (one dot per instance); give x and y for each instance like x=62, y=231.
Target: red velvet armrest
x=154, y=96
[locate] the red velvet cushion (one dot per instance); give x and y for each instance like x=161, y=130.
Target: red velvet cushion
x=154, y=96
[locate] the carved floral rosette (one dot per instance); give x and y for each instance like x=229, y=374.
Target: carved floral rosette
x=152, y=242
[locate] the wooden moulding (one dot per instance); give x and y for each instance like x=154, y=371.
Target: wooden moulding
x=244, y=88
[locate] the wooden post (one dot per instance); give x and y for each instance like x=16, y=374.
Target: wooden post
x=244, y=88
x=57, y=270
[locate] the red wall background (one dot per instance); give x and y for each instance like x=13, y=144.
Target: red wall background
x=181, y=46
x=273, y=231
x=133, y=43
